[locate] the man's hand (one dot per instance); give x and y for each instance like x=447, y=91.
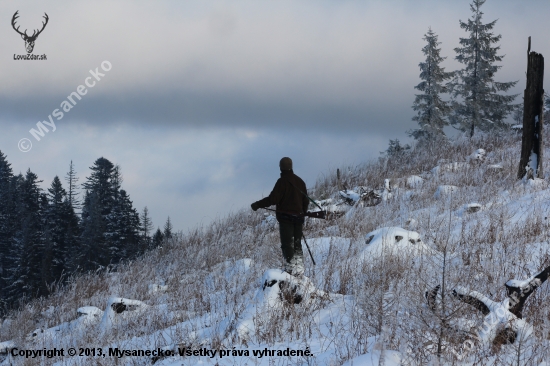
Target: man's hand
x=255, y=206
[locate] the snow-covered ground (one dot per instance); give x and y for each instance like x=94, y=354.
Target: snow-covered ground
x=386, y=288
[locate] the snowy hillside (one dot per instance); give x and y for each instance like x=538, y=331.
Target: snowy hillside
x=410, y=270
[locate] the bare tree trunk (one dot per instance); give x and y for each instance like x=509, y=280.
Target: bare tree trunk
x=530, y=164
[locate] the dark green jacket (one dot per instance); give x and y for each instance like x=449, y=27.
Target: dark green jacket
x=289, y=198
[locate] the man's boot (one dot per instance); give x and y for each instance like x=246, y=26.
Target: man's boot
x=298, y=265
x=289, y=267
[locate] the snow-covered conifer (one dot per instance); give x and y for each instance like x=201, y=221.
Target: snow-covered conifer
x=7, y=219
x=129, y=227
x=72, y=239
x=72, y=181
x=57, y=215
x=432, y=110
x=97, y=214
x=115, y=220
x=27, y=276
x=108, y=217
x=396, y=149
x=101, y=183
x=168, y=228
x=94, y=251
x=158, y=238
x=146, y=227
x=479, y=104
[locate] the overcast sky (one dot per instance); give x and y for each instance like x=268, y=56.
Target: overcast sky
x=204, y=97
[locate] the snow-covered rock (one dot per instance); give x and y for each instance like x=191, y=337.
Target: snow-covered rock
x=119, y=306
x=89, y=311
x=278, y=289
x=472, y=207
x=392, y=241
x=411, y=224
x=6, y=346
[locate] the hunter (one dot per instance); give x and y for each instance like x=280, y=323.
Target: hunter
x=291, y=203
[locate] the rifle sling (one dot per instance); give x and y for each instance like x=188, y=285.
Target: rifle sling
x=309, y=198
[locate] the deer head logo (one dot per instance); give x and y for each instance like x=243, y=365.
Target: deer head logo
x=29, y=40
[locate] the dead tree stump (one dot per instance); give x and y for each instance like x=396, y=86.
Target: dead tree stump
x=530, y=165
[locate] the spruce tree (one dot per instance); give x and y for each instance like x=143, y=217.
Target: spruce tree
x=158, y=238
x=130, y=226
x=115, y=222
x=72, y=240
x=479, y=104
x=168, y=229
x=61, y=222
x=432, y=110
x=72, y=182
x=96, y=215
x=94, y=252
x=100, y=182
x=29, y=275
x=146, y=227
x=108, y=218
x=10, y=293
x=122, y=223
x=72, y=252
x=396, y=149
x=7, y=221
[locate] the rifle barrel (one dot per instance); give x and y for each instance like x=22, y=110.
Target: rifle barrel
x=315, y=214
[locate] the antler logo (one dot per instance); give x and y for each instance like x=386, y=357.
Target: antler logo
x=29, y=40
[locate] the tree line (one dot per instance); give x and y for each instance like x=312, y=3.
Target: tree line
x=48, y=235
x=475, y=98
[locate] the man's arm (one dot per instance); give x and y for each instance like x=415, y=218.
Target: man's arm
x=274, y=197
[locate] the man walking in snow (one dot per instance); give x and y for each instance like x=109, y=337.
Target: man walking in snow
x=291, y=203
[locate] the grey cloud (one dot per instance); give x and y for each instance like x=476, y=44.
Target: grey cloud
x=204, y=98
x=175, y=109
x=301, y=65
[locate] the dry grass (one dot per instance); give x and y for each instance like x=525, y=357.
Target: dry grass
x=384, y=296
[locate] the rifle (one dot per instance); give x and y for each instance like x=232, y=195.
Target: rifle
x=315, y=215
